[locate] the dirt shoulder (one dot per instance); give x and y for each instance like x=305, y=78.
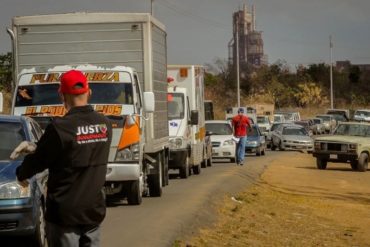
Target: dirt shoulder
x=294, y=204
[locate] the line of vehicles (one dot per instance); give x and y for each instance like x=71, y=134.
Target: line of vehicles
x=157, y=125
x=158, y=111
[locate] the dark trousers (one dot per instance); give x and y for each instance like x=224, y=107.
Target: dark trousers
x=72, y=236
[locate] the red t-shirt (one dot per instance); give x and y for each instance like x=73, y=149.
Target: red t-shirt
x=240, y=123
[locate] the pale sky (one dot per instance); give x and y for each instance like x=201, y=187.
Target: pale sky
x=199, y=30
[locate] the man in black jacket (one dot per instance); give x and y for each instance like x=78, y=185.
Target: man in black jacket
x=75, y=150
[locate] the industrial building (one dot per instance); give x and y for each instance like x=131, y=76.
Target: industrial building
x=247, y=39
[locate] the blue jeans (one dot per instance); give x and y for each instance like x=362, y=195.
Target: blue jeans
x=72, y=236
x=240, y=149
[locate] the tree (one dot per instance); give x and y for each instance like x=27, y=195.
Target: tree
x=6, y=72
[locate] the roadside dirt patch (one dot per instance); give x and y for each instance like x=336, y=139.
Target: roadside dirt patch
x=294, y=204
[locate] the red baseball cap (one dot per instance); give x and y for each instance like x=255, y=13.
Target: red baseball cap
x=73, y=82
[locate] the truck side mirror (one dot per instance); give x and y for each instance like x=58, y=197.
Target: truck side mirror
x=1, y=102
x=194, y=116
x=149, y=102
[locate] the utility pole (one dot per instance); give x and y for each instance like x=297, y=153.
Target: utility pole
x=331, y=74
x=151, y=7
x=237, y=60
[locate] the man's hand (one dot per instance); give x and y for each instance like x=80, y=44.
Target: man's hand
x=23, y=183
x=24, y=148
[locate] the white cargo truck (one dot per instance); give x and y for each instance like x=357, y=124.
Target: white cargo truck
x=189, y=150
x=124, y=58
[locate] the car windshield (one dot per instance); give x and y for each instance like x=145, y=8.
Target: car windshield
x=277, y=118
x=253, y=131
x=262, y=120
x=175, y=103
x=219, y=128
x=353, y=130
x=294, y=131
x=316, y=121
x=274, y=127
x=324, y=118
x=362, y=113
x=339, y=118
x=11, y=135
x=102, y=93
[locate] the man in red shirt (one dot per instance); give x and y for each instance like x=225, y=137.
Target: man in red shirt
x=240, y=124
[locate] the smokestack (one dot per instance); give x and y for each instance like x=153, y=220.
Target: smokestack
x=253, y=18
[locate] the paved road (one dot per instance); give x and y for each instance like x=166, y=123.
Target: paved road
x=185, y=205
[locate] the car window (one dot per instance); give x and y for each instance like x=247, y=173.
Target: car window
x=11, y=135
x=219, y=128
x=294, y=131
x=253, y=131
x=353, y=130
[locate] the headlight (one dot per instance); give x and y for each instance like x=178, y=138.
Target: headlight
x=13, y=191
x=228, y=143
x=252, y=143
x=176, y=143
x=128, y=154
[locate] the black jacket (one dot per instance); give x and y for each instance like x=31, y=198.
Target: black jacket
x=75, y=149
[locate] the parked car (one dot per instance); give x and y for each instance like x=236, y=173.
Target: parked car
x=223, y=146
x=274, y=126
x=319, y=127
x=307, y=124
x=264, y=123
x=256, y=141
x=362, y=115
x=21, y=208
x=342, y=115
x=348, y=144
x=291, y=137
x=329, y=122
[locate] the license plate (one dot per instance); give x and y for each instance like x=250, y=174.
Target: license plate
x=333, y=156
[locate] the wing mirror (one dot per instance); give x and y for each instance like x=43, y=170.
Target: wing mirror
x=194, y=116
x=149, y=102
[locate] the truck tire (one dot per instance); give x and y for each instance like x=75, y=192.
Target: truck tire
x=184, y=170
x=196, y=169
x=363, y=162
x=155, y=180
x=321, y=164
x=134, y=196
x=204, y=164
x=166, y=176
x=209, y=161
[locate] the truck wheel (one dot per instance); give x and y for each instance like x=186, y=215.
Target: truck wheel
x=155, y=180
x=184, y=170
x=196, y=169
x=166, y=176
x=321, y=164
x=362, y=162
x=354, y=165
x=134, y=196
x=204, y=163
x=209, y=161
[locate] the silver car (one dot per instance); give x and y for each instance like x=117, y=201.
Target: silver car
x=291, y=137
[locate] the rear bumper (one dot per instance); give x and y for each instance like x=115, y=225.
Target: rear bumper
x=123, y=171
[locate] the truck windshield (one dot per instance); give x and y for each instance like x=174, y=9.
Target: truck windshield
x=175, y=106
x=47, y=94
x=353, y=130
